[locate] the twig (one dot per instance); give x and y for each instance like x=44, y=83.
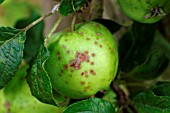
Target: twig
x=123, y=100
x=55, y=8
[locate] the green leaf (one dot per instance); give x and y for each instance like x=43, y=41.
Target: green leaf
x=126, y=47
x=135, y=45
x=161, y=42
x=162, y=89
x=92, y=105
x=34, y=35
x=154, y=65
x=1, y=1
x=110, y=96
x=11, y=53
x=109, y=24
x=7, y=33
x=147, y=102
x=70, y=6
x=39, y=81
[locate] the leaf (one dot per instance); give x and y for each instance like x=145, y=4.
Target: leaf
x=92, y=105
x=70, y=6
x=154, y=65
x=126, y=46
x=7, y=33
x=11, y=53
x=34, y=35
x=161, y=42
x=39, y=81
x=162, y=89
x=109, y=24
x=135, y=45
x=1, y=1
x=110, y=96
x=147, y=102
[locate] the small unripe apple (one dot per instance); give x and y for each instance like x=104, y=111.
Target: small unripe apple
x=82, y=62
x=145, y=11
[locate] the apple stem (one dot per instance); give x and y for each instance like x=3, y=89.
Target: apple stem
x=55, y=9
x=73, y=22
x=53, y=29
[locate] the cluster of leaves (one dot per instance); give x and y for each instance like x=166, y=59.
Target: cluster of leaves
x=142, y=60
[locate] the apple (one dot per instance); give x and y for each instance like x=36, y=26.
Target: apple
x=82, y=62
x=145, y=11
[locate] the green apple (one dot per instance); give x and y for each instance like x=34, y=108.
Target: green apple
x=16, y=98
x=82, y=62
x=145, y=11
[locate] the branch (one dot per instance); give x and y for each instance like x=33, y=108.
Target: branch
x=55, y=9
x=123, y=100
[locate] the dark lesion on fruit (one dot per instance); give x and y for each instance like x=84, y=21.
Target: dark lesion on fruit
x=82, y=82
x=80, y=58
x=65, y=66
x=59, y=56
x=68, y=52
x=92, y=63
x=82, y=73
x=95, y=42
x=64, y=47
x=87, y=38
x=86, y=88
x=99, y=34
x=101, y=46
x=92, y=72
x=156, y=11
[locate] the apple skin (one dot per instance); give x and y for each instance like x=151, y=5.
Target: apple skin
x=138, y=9
x=16, y=97
x=82, y=62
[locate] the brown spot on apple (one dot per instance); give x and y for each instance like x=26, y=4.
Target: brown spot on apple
x=101, y=46
x=93, y=54
x=92, y=63
x=99, y=34
x=64, y=47
x=82, y=73
x=96, y=43
x=87, y=38
x=92, y=72
x=68, y=51
x=80, y=58
x=66, y=66
x=82, y=82
x=58, y=53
